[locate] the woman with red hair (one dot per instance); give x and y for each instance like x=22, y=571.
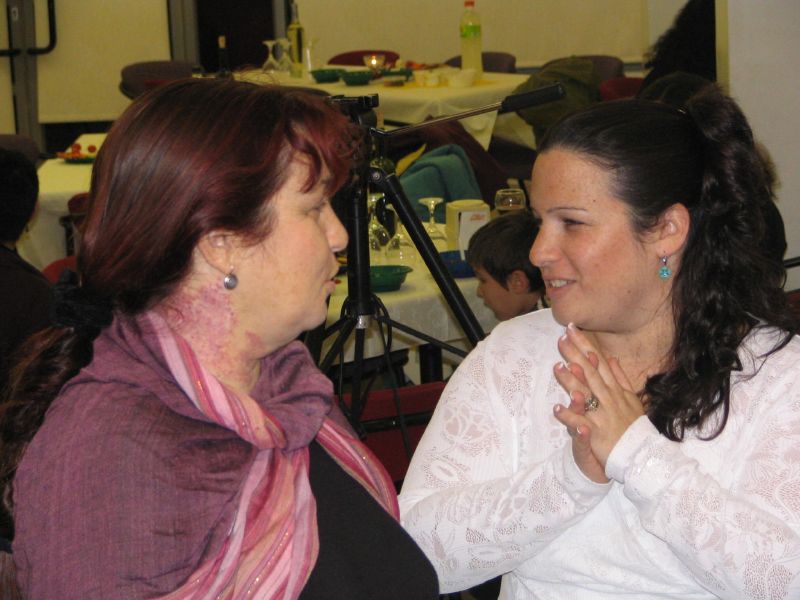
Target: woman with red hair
x=175, y=440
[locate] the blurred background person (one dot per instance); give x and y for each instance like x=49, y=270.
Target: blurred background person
x=499, y=252
x=172, y=437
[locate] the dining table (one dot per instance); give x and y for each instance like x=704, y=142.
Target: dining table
x=420, y=305
x=408, y=102
x=44, y=240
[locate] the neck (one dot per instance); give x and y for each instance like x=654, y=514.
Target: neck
x=205, y=318
x=642, y=352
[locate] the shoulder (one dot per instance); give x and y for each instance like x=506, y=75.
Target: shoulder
x=513, y=365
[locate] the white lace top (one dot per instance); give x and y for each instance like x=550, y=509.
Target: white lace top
x=493, y=488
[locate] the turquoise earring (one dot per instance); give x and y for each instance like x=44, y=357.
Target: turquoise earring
x=664, y=272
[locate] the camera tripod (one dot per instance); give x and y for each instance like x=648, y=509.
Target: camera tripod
x=362, y=308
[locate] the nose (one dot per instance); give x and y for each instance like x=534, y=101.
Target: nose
x=542, y=251
x=337, y=234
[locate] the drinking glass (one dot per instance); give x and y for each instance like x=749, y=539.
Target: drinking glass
x=285, y=58
x=271, y=64
x=377, y=235
x=400, y=250
x=437, y=237
x=374, y=62
x=506, y=200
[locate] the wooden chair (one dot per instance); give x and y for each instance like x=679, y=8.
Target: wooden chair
x=493, y=62
x=356, y=57
x=139, y=77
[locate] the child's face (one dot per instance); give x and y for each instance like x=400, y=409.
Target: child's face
x=503, y=303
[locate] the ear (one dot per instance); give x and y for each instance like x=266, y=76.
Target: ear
x=517, y=282
x=670, y=233
x=219, y=249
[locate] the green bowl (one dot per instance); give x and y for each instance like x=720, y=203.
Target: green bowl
x=326, y=75
x=387, y=278
x=356, y=77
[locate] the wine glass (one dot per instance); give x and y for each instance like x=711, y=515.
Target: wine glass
x=285, y=58
x=400, y=250
x=377, y=234
x=509, y=199
x=271, y=64
x=437, y=237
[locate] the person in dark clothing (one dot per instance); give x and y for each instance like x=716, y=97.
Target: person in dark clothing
x=689, y=45
x=25, y=300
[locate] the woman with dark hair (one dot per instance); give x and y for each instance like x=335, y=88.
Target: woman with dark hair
x=690, y=45
x=640, y=438
x=187, y=446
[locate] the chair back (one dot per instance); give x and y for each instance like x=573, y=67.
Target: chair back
x=381, y=421
x=620, y=87
x=139, y=77
x=605, y=66
x=356, y=57
x=493, y=62
x=22, y=144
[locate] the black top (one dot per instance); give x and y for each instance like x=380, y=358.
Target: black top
x=24, y=304
x=363, y=552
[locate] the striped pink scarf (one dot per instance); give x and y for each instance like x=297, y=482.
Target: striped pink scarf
x=272, y=545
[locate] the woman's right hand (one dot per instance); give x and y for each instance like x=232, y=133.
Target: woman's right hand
x=581, y=435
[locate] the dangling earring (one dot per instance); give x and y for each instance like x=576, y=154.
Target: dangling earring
x=230, y=281
x=664, y=272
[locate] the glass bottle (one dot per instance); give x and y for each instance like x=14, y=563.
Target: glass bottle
x=471, y=44
x=224, y=68
x=296, y=35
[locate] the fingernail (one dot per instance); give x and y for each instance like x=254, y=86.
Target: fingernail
x=571, y=326
x=563, y=338
x=557, y=408
x=561, y=366
x=572, y=396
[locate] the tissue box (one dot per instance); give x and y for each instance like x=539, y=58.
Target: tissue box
x=462, y=219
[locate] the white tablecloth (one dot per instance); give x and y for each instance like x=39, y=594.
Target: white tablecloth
x=412, y=103
x=417, y=304
x=45, y=240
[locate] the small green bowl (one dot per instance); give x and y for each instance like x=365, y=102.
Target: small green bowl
x=326, y=75
x=356, y=77
x=387, y=278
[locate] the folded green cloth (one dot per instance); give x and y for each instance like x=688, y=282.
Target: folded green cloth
x=581, y=86
x=444, y=172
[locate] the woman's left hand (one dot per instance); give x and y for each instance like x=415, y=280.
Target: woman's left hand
x=617, y=404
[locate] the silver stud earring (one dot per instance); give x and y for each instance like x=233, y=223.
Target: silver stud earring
x=664, y=272
x=230, y=281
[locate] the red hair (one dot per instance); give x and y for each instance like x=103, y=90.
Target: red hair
x=192, y=157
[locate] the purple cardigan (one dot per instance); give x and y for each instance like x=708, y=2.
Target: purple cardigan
x=127, y=488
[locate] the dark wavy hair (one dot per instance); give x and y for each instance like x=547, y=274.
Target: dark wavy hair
x=688, y=45
x=503, y=246
x=704, y=157
x=183, y=160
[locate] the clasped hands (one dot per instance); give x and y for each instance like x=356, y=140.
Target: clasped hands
x=586, y=373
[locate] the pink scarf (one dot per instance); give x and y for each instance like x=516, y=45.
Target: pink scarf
x=272, y=545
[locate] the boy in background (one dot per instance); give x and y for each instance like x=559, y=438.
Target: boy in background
x=498, y=253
